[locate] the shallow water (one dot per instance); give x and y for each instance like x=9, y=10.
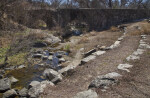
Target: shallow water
x=26, y=76
x=33, y=72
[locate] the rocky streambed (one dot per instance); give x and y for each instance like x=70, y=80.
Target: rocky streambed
x=45, y=62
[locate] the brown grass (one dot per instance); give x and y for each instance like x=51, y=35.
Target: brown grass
x=144, y=29
x=114, y=29
x=36, y=35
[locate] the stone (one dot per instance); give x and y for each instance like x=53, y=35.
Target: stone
x=33, y=83
x=86, y=94
x=61, y=52
x=21, y=66
x=52, y=40
x=87, y=59
x=112, y=75
x=117, y=43
x=44, y=57
x=125, y=67
x=50, y=57
x=138, y=52
x=51, y=74
x=37, y=55
x=99, y=53
x=132, y=57
x=58, y=55
x=2, y=71
x=102, y=47
x=1, y=76
x=23, y=92
x=62, y=60
x=120, y=39
x=51, y=53
x=89, y=52
x=142, y=42
x=13, y=80
x=10, y=68
x=143, y=36
x=42, y=65
x=10, y=94
x=35, y=91
x=40, y=51
x=47, y=83
x=105, y=80
x=144, y=46
x=5, y=84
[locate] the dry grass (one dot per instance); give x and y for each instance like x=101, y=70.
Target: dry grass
x=4, y=42
x=139, y=28
x=93, y=33
x=114, y=29
x=84, y=40
x=36, y=36
x=146, y=29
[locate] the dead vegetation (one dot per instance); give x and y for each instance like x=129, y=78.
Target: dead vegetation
x=114, y=29
x=139, y=28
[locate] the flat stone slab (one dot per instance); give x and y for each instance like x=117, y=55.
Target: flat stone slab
x=89, y=58
x=116, y=44
x=120, y=39
x=86, y=94
x=10, y=94
x=143, y=35
x=99, y=53
x=132, y=57
x=138, y=52
x=112, y=75
x=144, y=46
x=125, y=67
x=89, y=52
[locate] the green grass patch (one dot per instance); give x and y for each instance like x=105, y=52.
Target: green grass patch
x=17, y=59
x=3, y=52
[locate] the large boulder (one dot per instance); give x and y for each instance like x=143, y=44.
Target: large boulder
x=5, y=84
x=125, y=67
x=13, y=80
x=10, y=94
x=105, y=80
x=52, y=75
x=23, y=92
x=52, y=40
x=33, y=83
x=87, y=59
x=35, y=91
x=86, y=94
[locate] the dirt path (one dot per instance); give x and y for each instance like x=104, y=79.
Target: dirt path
x=83, y=75
x=135, y=84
